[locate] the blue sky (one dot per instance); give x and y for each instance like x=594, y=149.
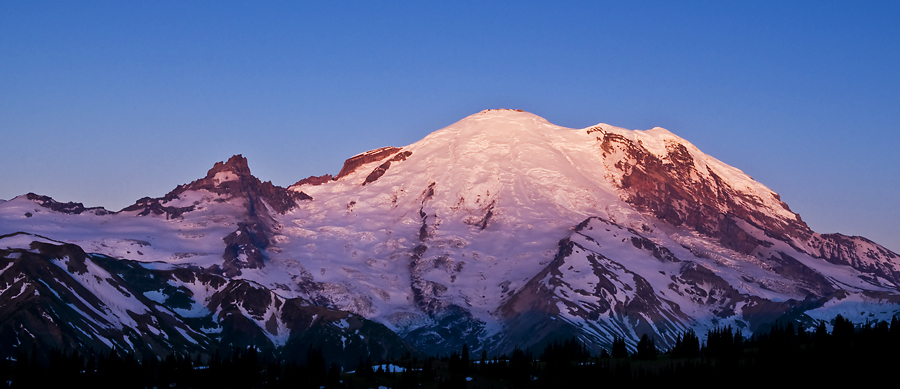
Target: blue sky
x=107, y=102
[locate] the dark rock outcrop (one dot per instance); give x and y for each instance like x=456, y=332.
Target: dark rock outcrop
x=245, y=248
x=358, y=160
x=381, y=169
x=149, y=205
x=71, y=208
x=314, y=180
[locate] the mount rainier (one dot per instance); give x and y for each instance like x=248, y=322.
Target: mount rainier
x=499, y=231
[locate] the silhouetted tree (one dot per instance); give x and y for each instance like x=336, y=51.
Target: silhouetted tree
x=619, y=349
x=646, y=349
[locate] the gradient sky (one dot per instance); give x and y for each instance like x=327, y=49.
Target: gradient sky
x=107, y=102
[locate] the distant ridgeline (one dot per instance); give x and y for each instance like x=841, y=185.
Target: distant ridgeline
x=785, y=354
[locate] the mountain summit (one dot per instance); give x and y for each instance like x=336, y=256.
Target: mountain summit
x=499, y=231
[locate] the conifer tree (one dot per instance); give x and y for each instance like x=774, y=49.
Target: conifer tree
x=619, y=349
x=646, y=348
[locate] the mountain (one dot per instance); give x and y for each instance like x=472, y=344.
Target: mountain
x=499, y=231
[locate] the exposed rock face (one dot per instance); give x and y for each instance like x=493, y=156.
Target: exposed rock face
x=233, y=178
x=147, y=205
x=810, y=282
x=245, y=248
x=858, y=252
x=673, y=189
x=314, y=180
x=356, y=161
x=381, y=169
x=71, y=208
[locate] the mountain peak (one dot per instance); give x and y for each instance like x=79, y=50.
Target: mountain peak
x=229, y=179
x=237, y=164
x=505, y=115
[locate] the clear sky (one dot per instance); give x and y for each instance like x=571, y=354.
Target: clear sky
x=107, y=102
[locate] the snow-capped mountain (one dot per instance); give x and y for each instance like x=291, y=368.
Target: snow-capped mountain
x=499, y=231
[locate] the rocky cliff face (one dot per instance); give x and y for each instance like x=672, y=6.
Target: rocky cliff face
x=681, y=189
x=499, y=231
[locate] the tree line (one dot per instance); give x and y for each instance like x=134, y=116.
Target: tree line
x=785, y=353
